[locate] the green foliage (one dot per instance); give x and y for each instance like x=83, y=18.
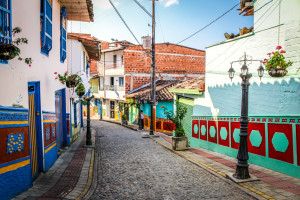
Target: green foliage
x=124, y=117
x=84, y=102
x=177, y=118
x=121, y=107
x=80, y=90
x=277, y=60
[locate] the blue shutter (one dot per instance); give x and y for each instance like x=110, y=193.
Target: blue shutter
x=63, y=34
x=5, y=23
x=46, y=34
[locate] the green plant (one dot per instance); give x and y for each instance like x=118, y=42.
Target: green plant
x=80, y=90
x=10, y=51
x=124, y=117
x=84, y=102
x=277, y=60
x=73, y=80
x=61, y=78
x=177, y=118
x=121, y=107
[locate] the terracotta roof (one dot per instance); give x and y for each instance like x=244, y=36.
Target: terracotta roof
x=192, y=84
x=247, y=7
x=91, y=44
x=79, y=10
x=162, y=92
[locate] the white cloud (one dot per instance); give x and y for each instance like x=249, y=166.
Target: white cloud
x=104, y=4
x=171, y=2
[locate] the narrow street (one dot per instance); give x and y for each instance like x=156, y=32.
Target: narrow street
x=132, y=167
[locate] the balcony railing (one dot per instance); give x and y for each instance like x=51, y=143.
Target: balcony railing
x=114, y=88
x=118, y=65
x=94, y=89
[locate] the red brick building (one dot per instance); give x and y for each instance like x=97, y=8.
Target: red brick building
x=172, y=62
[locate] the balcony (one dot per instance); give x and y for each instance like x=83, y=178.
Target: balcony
x=114, y=88
x=94, y=89
x=117, y=65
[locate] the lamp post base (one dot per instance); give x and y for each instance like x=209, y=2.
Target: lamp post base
x=241, y=172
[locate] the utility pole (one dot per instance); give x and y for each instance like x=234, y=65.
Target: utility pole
x=153, y=82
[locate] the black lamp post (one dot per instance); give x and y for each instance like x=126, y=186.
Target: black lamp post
x=88, y=123
x=242, y=171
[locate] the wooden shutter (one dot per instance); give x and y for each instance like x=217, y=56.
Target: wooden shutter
x=46, y=34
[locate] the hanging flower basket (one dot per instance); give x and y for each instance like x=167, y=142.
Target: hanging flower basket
x=80, y=90
x=72, y=80
x=277, y=63
x=277, y=72
x=8, y=51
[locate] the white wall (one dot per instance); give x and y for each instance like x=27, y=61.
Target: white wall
x=270, y=96
x=75, y=63
x=15, y=76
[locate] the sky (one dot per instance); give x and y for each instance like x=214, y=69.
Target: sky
x=175, y=21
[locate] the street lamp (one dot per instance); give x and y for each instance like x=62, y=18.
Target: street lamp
x=242, y=171
x=88, y=123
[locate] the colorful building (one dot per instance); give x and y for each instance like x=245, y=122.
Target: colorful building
x=83, y=52
x=125, y=67
x=34, y=114
x=274, y=104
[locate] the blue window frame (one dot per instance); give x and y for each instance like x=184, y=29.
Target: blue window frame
x=5, y=23
x=63, y=34
x=46, y=29
x=121, y=81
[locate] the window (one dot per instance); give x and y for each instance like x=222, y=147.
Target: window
x=46, y=26
x=121, y=81
x=101, y=83
x=5, y=23
x=83, y=64
x=63, y=25
x=115, y=59
x=111, y=81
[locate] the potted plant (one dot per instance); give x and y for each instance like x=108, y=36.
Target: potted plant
x=10, y=50
x=80, y=90
x=123, y=119
x=179, y=141
x=61, y=78
x=72, y=80
x=276, y=64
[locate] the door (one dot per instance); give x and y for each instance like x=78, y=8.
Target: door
x=61, y=121
x=112, y=109
x=36, y=158
x=187, y=120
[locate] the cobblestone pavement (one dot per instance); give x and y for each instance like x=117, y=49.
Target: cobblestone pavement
x=131, y=167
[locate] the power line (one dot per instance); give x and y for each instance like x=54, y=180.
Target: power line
x=208, y=24
x=142, y=7
x=124, y=21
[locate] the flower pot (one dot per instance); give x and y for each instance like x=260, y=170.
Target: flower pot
x=80, y=94
x=123, y=122
x=72, y=83
x=180, y=143
x=8, y=51
x=277, y=72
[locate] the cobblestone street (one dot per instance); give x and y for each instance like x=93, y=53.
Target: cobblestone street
x=132, y=167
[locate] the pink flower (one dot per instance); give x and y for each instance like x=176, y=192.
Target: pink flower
x=29, y=65
x=56, y=78
x=265, y=60
x=162, y=106
x=55, y=72
x=270, y=65
x=273, y=53
x=278, y=47
x=269, y=54
x=282, y=51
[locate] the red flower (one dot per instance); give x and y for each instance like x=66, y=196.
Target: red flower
x=55, y=72
x=270, y=65
x=269, y=54
x=278, y=47
x=282, y=51
x=29, y=65
x=265, y=60
x=56, y=78
x=162, y=106
x=273, y=53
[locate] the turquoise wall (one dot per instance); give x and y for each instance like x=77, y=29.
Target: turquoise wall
x=160, y=111
x=146, y=108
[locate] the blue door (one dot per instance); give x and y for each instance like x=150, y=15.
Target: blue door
x=36, y=148
x=61, y=121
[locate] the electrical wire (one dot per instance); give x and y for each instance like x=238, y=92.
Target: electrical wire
x=142, y=7
x=208, y=24
x=124, y=21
